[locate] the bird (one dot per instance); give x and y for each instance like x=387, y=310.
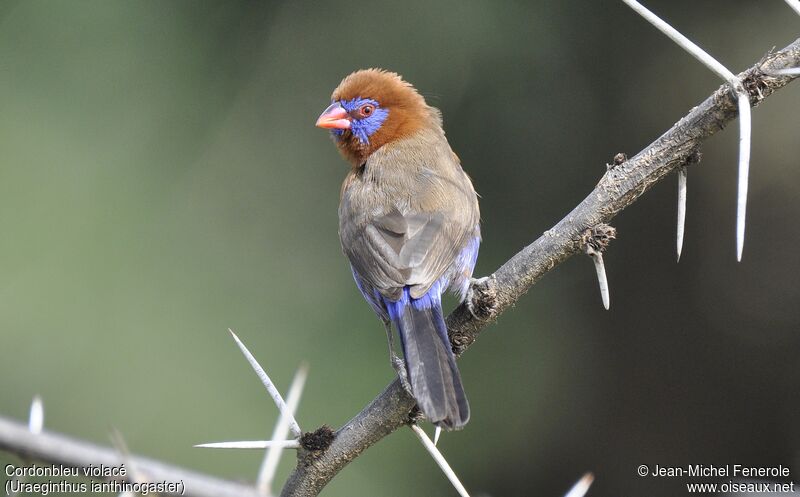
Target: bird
x=409, y=224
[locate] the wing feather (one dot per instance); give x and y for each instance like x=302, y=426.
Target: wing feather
x=396, y=240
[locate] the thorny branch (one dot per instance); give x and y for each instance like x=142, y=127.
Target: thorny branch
x=617, y=189
x=621, y=185
x=59, y=449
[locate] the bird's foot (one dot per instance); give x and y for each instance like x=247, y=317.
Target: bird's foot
x=482, y=297
x=400, y=368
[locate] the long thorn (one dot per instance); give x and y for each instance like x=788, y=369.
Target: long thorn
x=581, y=486
x=251, y=444
x=36, y=417
x=681, y=208
x=436, y=434
x=744, y=168
x=794, y=4
x=269, y=466
x=35, y=425
x=790, y=71
x=600, y=268
x=440, y=460
x=118, y=441
x=684, y=42
x=273, y=392
x=743, y=100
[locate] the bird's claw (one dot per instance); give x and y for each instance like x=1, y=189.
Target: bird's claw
x=400, y=368
x=482, y=297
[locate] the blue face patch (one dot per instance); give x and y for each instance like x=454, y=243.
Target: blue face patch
x=365, y=127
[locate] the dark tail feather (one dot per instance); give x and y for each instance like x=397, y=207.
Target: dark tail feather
x=431, y=366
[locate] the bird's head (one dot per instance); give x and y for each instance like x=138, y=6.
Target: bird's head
x=371, y=108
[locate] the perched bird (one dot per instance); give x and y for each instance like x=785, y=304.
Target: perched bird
x=409, y=224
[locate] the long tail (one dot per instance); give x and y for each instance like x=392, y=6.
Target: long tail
x=432, y=371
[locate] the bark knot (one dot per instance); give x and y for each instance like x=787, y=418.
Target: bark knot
x=597, y=238
x=316, y=442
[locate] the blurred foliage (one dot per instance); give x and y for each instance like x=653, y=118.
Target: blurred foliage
x=162, y=181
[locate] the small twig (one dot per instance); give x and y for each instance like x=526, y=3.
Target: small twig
x=581, y=486
x=743, y=100
x=273, y=392
x=269, y=466
x=251, y=444
x=682, y=171
x=440, y=460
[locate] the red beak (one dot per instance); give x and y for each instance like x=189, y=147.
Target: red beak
x=334, y=117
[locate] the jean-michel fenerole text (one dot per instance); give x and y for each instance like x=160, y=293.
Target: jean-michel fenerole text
x=728, y=470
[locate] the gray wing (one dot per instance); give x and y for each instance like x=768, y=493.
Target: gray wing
x=412, y=249
x=408, y=215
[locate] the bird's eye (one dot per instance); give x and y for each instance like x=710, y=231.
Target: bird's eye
x=366, y=110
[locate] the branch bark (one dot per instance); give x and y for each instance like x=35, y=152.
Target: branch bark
x=618, y=188
x=60, y=449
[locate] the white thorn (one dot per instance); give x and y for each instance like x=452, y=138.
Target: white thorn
x=440, y=460
x=36, y=416
x=269, y=466
x=681, y=208
x=743, y=100
x=273, y=392
x=683, y=42
x=744, y=167
x=794, y=4
x=118, y=441
x=600, y=268
x=436, y=434
x=581, y=487
x=787, y=72
x=251, y=444
x=35, y=424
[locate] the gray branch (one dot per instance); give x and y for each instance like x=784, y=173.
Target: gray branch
x=60, y=449
x=618, y=188
x=622, y=184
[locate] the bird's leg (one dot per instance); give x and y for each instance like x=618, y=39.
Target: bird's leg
x=398, y=364
x=482, y=297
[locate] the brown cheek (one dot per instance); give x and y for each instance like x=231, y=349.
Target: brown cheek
x=399, y=126
x=408, y=124
x=351, y=149
x=377, y=140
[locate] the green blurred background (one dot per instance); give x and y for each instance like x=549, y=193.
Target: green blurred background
x=162, y=181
